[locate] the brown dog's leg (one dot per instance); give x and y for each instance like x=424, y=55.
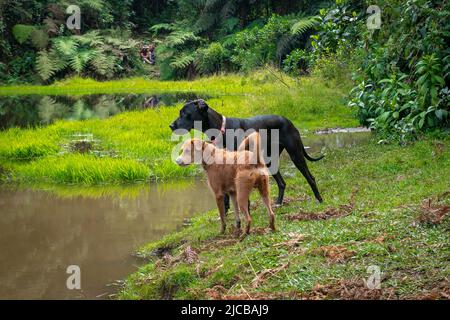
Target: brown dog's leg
x=236, y=213
x=221, y=207
x=264, y=191
x=243, y=192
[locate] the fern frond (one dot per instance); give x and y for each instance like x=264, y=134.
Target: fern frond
x=129, y=44
x=92, y=38
x=66, y=45
x=179, y=37
x=97, y=5
x=51, y=26
x=79, y=60
x=162, y=27
x=39, y=39
x=59, y=61
x=305, y=24
x=103, y=64
x=182, y=61
x=44, y=65
x=113, y=41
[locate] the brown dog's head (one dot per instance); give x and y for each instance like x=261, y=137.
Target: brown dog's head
x=191, y=152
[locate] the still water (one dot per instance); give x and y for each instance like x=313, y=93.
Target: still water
x=42, y=233
x=33, y=110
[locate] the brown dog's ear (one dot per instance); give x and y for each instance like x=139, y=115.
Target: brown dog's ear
x=198, y=144
x=201, y=105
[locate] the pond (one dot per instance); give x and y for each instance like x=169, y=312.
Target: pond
x=45, y=229
x=33, y=110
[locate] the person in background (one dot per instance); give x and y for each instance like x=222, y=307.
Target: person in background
x=152, y=53
x=145, y=54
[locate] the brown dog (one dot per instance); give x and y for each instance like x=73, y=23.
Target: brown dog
x=235, y=173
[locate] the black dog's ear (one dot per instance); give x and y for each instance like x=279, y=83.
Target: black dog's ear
x=201, y=105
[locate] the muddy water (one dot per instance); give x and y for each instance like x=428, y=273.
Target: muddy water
x=42, y=233
x=316, y=143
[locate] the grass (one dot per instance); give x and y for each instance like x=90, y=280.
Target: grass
x=388, y=182
x=230, y=84
x=141, y=139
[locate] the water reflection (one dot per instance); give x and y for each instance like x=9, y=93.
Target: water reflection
x=32, y=110
x=43, y=232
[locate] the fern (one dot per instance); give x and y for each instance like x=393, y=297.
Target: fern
x=162, y=27
x=80, y=59
x=97, y=5
x=305, y=24
x=39, y=39
x=103, y=64
x=182, y=61
x=128, y=44
x=51, y=26
x=92, y=38
x=66, y=45
x=178, y=38
x=45, y=66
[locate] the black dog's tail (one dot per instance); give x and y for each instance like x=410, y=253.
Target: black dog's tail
x=307, y=156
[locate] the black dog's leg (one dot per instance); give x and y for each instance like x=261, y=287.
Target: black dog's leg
x=226, y=200
x=281, y=186
x=300, y=162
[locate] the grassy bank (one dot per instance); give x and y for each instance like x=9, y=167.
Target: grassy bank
x=375, y=213
x=265, y=81
x=135, y=146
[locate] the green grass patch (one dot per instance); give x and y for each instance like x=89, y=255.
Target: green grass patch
x=388, y=183
x=258, y=82
x=83, y=169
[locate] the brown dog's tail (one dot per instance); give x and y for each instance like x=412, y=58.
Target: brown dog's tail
x=252, y=143
x=307, y=156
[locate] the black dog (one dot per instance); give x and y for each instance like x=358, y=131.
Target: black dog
x=289, y=140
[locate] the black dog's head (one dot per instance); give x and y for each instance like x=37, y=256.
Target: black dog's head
x=192, y=111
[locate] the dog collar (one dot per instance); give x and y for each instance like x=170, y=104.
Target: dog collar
x=224, y=121
x=222, y=129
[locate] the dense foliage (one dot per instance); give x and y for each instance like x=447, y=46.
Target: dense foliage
x=403, y=83
x=400, y=70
